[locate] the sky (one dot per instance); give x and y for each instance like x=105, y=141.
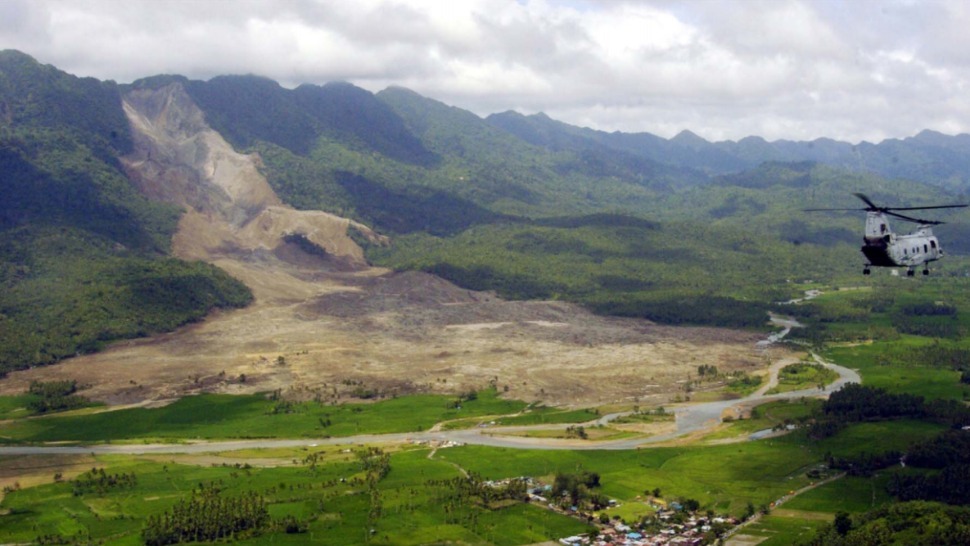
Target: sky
x=853, y=70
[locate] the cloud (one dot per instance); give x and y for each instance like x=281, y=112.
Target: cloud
x=723, y=69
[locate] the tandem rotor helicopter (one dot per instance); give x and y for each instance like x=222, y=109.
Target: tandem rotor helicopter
x=884, y=248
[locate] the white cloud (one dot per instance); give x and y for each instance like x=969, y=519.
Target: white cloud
x=723, y=69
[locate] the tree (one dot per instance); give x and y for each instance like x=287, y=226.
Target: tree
x=748, y=511
x=842, y=523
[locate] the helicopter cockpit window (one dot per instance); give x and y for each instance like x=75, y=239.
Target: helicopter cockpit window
x=882, y=228
x=933, y=244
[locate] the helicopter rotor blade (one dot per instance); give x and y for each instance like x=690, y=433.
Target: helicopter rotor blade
x=872, y=207
x=875, y=207
x=927, y=208
x=911, y=219
x=866, y=200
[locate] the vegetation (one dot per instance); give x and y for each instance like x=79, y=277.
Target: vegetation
x=215, y=416
x=51, y=396
x=916, y=523
x=333, y=497
x=206, y=517
x=82, y=252
x=803, y=376
x=66, y=292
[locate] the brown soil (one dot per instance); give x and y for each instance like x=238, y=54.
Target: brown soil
x=401, y=332
x=326, y=325
x=22, y=471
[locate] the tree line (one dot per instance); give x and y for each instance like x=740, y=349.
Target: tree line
x=207, y=516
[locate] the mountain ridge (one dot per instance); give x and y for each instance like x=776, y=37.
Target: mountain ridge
x=923, y=156
x=929, y=156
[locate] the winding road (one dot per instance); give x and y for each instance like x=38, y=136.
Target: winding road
x=689, y=419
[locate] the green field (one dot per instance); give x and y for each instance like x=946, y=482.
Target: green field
x=414, y=510
x=783, y=530
x=800, y=376
x=849, y=494
x=415, y=505
x=915, y=378
x=214, y=416
x=329, y=497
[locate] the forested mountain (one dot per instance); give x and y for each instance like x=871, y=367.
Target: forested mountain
x=929, y=157
x=83, y=256
x=679, y=230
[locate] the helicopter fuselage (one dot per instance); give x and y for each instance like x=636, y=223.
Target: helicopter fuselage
x=883, y=248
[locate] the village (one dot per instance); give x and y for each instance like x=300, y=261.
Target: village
x=671, y=523
x=694, y=530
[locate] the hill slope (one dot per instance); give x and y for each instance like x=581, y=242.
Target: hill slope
x=326, y=325
x=82, y=253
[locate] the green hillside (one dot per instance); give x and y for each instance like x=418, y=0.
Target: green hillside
x=83, y=256
x=517, y=205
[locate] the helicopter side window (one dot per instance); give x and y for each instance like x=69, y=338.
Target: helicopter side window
x=933, y=244
x=882, y=228
x=925, y=248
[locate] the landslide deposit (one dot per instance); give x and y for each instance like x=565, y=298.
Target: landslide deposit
x=326, y=325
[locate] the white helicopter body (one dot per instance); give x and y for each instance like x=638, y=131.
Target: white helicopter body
x=882, y=247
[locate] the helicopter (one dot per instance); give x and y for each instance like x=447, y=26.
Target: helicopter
x=884, y=248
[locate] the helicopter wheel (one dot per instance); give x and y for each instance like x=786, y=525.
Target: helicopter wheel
x=866, y=271
x=910, y=273
x=926, y=271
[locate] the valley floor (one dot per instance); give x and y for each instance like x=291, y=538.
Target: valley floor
x=316, y=333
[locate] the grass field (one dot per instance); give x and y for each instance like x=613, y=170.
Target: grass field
x=931, y=382
x=325, y=495
x=14, y=407
x=803, y=376
x=783, y=530
x=214, y=416
x=851, y=494
x=722, y=478
x=765, y=416
x=414, y=507
x=541, y=415
x=878, y=436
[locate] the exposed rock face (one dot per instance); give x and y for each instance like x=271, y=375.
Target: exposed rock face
x=230, y=207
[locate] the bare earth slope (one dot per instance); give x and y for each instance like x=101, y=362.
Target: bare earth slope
x=326, y=325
